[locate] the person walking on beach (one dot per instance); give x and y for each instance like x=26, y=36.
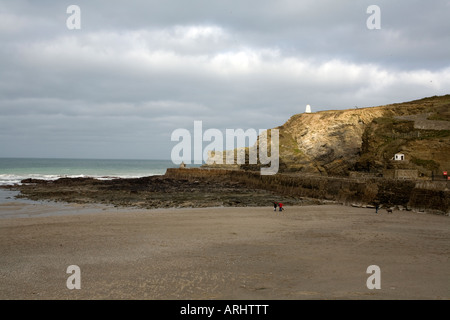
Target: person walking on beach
x=280, y=205
x=275, y=206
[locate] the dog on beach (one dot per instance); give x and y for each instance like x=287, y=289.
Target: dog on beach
x=389, y=210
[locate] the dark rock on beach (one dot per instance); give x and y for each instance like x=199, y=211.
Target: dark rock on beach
x=154, y=192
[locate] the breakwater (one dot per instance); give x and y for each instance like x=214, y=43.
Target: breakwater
x=403, y=194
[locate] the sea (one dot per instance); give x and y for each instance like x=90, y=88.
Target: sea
x=14, y=170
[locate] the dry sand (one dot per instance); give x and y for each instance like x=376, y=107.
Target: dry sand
x=308, y=252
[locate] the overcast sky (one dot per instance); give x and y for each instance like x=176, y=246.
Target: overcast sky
x=137, y=70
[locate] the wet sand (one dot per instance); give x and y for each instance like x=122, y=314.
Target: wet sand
x=305, y=252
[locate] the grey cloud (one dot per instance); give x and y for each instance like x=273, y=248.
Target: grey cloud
x=138, y=70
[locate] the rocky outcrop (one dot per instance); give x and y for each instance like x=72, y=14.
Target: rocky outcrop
x=335, y=143
x=200, y=187
x=181, y=188
x=326, y=142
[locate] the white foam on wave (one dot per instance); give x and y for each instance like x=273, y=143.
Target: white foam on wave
x=14, y=179
x=10, y=179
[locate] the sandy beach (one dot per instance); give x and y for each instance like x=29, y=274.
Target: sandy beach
x=305, y=252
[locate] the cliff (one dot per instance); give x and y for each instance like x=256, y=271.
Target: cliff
x=364, y=140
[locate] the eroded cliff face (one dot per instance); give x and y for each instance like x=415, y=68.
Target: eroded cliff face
x=341, y=141
x=337, y=142
x=324, y=142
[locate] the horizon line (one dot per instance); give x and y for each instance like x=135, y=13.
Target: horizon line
x=71, y=158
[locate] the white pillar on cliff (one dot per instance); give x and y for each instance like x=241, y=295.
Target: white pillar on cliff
x=308, y=109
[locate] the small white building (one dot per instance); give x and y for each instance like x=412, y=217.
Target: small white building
x=308, y=109
x=399, y=157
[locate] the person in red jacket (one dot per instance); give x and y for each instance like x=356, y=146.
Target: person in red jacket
x=280, y=205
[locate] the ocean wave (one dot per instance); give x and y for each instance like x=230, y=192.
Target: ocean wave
x=15, y=179
x=11, y=179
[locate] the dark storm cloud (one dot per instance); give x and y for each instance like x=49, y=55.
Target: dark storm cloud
x=137, y=70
